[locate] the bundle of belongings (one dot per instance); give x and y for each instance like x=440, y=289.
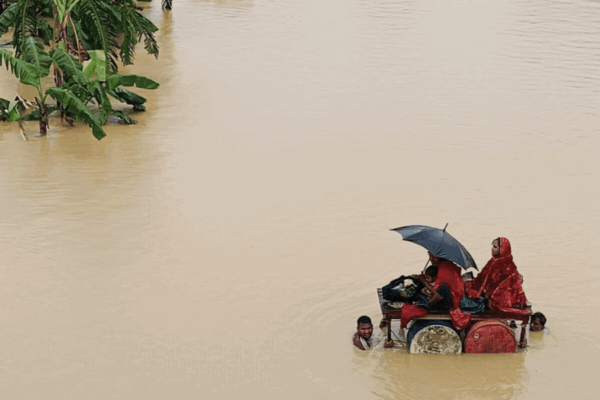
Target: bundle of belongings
x=416, y=298
x=405, y=289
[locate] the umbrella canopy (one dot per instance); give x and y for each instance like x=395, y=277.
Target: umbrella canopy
x=439, y=242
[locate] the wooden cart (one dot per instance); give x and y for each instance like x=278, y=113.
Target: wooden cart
x=390, y=313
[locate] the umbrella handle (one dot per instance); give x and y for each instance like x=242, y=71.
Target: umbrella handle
x=425, y=267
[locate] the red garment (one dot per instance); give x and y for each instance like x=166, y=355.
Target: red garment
x=449, y=274
x=501, y=282
x=408, y=312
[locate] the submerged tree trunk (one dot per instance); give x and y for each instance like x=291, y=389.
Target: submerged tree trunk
x=43, y=117
x=43, y=126
x=58, y=79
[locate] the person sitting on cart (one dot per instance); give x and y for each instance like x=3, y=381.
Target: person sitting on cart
x=500, y=281
x=447, y=290
x=430, y=275
x=442, y=299
x=364, y=339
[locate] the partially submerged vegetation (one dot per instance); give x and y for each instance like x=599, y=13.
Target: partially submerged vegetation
x=79, y=42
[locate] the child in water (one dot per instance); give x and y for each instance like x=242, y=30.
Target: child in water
x=538, y=322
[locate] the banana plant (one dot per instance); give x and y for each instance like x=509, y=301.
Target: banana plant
x=28, y=18
x=86, y=28
x=31, y=68
x=62, y=20
x=92, y=84
x=113, y=26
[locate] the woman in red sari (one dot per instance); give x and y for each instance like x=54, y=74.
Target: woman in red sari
x=500, y=281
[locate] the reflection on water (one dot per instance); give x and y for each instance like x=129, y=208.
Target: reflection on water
x=225, y=245
x=408, y=376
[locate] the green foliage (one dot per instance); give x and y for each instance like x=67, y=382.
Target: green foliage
x=130, y=80
x=106, y=30
x=94, y=22
x=64, y=7
x=115, y=28
x=4, y=104
x=125, y=96
x=23, y=16
x=85, y=88
x=45, y=32
x=34, y=115
x=35, y=54
x=112, y=26
x=78, y=110
x=11, y=110
x=135, y=26
x=97, y=65
x=68, y=64
x=34, y=65
x=23, y=70
x=7, y=19
x=123, y=118
x=4, y=110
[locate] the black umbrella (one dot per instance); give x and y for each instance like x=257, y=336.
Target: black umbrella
x=439, y=242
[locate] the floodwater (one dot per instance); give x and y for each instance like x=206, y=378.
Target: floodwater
x=224, y=246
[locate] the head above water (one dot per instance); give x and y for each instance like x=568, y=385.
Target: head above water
x=538, y=322
x=364, y=327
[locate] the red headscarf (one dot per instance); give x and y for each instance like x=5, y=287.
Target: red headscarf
x=501, y=282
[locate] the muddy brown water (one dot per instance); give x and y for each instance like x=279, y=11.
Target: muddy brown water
x=224, y=246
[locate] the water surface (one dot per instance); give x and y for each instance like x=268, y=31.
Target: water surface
x=224, y=246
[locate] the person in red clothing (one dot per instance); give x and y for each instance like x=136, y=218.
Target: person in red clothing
x=500, y=281
x=448, y=280
x=449, y=275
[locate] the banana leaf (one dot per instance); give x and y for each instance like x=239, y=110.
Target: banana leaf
x=26, y=72
x=78, y=110
x=69, y=65
x=123, y=118
x=13, y=112
x=97, y=65
x=125, y=96
x=130, y=80
x=35, y=54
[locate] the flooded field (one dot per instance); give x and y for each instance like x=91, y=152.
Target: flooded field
x=224, y=246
